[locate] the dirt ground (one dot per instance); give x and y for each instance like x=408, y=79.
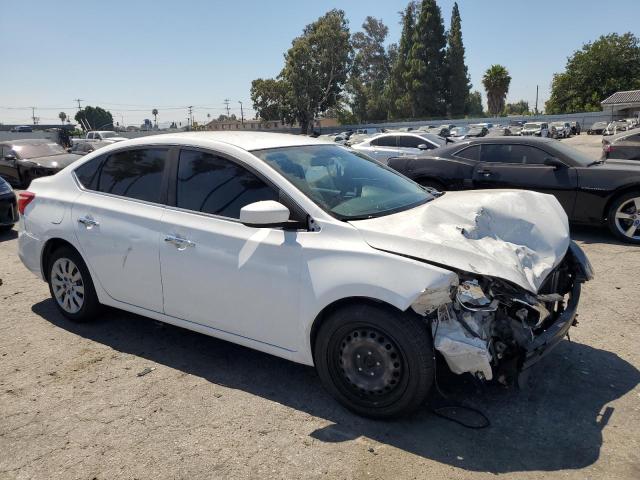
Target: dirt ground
x=73, y=402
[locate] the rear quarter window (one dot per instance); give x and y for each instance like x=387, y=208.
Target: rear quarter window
x=87, y=173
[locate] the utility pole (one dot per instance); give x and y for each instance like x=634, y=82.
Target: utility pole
x=79, y=100
x=241, y=112
x=190, y=118
x=226, y=104
x=33, y=115
x=536, y=100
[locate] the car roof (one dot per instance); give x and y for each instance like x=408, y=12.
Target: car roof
x=244, y=140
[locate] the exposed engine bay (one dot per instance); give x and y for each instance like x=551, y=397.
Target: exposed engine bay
x=494, y=329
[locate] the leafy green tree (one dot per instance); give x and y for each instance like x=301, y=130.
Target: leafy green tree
x=517, y=108
x=95, y=118
x=269, y=97
x=62, y=116
x=457, y=78
x=316, y=67
x=596, y=71
x=369, y=72
x=426, y=74
x=397, y=90
x=473, y=105
x=496, y=82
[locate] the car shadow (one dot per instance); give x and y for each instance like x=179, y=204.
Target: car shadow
x=8, y=235
x=554, y=424
x=595, y=235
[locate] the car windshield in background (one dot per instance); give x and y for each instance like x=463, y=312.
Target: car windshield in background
x=531, y=125
x=35, y=150
x=348, y=185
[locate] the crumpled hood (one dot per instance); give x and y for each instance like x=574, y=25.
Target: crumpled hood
x=55, y=161
x=516, y=235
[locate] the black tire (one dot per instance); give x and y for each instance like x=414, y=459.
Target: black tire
x=90, y=307
x=427, y=182
x=626, y=205
x=395, y=348
x=5, y=228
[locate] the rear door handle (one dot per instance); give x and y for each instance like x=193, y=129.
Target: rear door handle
x=88, y=222
x=179, y=242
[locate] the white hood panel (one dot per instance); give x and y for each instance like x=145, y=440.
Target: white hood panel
x=516, y=235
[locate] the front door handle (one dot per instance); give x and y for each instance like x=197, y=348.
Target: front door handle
x=179, y=242
x=484, y=173
x=88, y=222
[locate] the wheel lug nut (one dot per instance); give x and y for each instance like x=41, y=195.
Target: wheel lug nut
x=358, y=356
x=372, y=374
x=378, y=364
x=368, y=353
x=359, y=369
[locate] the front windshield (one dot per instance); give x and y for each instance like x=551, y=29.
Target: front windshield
x=35, y=150
x=344, y=183
x=531, y=125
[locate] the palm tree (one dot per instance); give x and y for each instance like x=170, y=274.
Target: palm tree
x=62, y=116
x=154, y=112
x=496, y=82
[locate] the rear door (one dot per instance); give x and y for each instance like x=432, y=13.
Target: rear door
x=118, y=220
x=385, y=147
x=522, y=166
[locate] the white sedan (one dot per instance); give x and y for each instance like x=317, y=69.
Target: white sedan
x=311, y=252
x=396, y=144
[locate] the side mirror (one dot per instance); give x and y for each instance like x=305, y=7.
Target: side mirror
x=268, y=213
x=554, y=162
x=423, y=146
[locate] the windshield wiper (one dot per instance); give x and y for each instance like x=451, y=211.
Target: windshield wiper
x=596, y=162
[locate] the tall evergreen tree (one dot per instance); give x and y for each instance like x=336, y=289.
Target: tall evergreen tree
x=426, y=74
x=397, y=92
x=457, y=83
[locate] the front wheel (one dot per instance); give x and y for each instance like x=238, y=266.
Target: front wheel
x=376, y=361
x=71, y=287
x=624, y=217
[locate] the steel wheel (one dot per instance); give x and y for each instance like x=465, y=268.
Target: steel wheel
x=371, y=364
x=67, y=285
x=627, y=218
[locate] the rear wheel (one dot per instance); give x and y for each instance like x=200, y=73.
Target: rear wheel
x=624, y=217
x=5, y=228
x=376, y=361
x=71, y=287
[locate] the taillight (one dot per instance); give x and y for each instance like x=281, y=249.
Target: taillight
x=24, y=199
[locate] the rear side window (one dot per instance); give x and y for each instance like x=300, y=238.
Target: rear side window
x=388, y=141
x=134, y=174
x=470, y=153
x=211, y=184
x=506, y=153
x=87, y=173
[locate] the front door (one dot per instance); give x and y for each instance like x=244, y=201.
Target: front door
x=220, y=273
x=118, y=226
x=522, y=166
x=384, y=148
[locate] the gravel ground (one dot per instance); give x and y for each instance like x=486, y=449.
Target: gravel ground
x=74, y=402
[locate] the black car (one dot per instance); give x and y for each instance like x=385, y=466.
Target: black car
x=625, y=146
x=23, y=160
x=8, y=207
x=592, y=192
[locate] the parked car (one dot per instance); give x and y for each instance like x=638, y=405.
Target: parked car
x=575, y=128
x=591, y=192
x=631, y=122
x=625, y=145
x=616, y=126
x=8, y=207
x=460, y=133
x=538, y=129
x=82, y=148
x=597, y=128
x=23, y=160
x=21, y=128
x=103, y=136
x=392, y=144
x=560, y=129
x=311, y=252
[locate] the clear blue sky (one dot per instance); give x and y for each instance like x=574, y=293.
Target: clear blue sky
x=134, y=55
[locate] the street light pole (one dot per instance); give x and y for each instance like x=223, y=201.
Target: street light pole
x=241, y=112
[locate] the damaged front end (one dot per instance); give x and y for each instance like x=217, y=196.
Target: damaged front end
x=493, y=329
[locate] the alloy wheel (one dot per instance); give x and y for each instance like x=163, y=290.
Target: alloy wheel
x=627, y=218
x=68, y=285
